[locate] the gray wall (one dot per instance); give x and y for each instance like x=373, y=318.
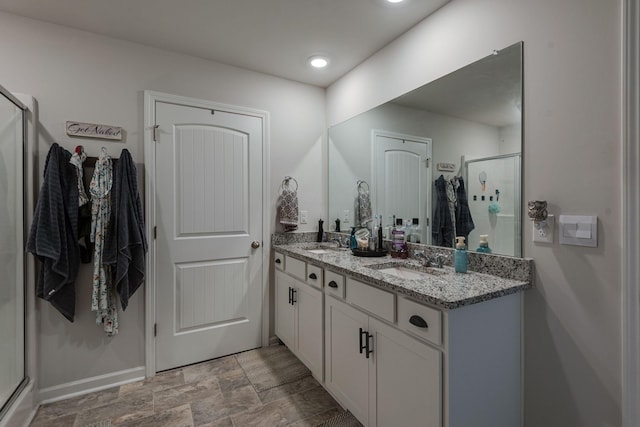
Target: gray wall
x=572, y=159
x=80, y=76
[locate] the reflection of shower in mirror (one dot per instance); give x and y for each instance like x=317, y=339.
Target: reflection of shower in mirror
x=498, y=216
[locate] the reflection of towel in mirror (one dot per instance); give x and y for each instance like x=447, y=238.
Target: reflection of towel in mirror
x=464, y=222
x=442, y=228
x=288, y=209
x=363, y=207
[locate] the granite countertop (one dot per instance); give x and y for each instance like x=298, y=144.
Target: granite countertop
x=441, y=287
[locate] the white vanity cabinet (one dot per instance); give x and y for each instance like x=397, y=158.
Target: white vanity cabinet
x=394, y=361
x=299, y=312
x=382, y=375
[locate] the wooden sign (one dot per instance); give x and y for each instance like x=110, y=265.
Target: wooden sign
x=446, y=167
x=92, y=130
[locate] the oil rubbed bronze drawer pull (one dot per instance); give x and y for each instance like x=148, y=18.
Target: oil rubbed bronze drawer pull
x=418, y=321
x=313, y=276
x=333, y=284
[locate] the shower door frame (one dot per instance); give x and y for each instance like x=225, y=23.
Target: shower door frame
x=6, y=406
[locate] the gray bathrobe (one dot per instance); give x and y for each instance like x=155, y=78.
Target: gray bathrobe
x=126, y=243
x=53, y=237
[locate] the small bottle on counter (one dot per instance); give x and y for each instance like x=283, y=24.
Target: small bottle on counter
x=416, y=235
x=460, y=256
x=353, y=243
x=483, y=247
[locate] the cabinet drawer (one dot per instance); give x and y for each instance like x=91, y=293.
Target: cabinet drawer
x=374, y=300
x=278, y=260
x=314, y=276
x=296, y=268
x=334, y=284
x=427, y=321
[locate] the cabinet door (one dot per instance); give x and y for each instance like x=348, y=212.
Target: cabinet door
x=405, y=378
x=309, y=333
x=285, y=311
x=347, y=372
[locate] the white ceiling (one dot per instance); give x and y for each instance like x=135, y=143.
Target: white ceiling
x=270, y=36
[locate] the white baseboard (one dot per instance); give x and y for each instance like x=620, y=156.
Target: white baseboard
x=89, y=385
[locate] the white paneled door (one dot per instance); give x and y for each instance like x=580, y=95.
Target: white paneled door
x=209, y=232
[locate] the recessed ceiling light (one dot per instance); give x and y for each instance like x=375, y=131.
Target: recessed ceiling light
x=395, y=1
x=318, y=61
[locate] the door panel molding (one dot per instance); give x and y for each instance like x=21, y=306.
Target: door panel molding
x=150, y=99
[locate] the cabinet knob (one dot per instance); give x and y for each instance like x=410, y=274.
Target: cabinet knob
x=313, y=276
x=333, y=284
x=418, y=321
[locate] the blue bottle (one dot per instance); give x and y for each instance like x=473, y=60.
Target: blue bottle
x=483, y=247
x=353, y=243
x=460, y=256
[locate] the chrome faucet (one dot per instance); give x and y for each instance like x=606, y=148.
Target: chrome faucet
x=341, y=244
x=436, y=260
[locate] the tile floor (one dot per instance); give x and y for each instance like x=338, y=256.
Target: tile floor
x=213, y=393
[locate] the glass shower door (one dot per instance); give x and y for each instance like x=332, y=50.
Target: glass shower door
x=12, y=337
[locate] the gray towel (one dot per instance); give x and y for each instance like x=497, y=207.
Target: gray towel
x=126, y=243
x=288, y=209
x=53, y=237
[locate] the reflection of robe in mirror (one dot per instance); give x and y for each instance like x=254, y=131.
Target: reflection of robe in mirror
x=442, y=231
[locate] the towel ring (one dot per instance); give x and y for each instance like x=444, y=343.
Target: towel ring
x=360, y=182
x=285, y=182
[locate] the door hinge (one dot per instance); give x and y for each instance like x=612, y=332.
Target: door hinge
x=155, y=232
x=427, y=222
x=426, y=162
x=155, y=133
x=155, y=329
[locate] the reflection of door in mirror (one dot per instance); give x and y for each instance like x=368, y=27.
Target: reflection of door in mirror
x=495, y=204
x=401, y=174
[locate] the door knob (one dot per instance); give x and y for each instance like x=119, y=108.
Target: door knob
x=255, y=244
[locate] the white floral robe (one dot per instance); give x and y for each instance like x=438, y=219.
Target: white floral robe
x=103, y=300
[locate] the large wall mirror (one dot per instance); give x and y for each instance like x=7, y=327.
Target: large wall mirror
x=411, y=154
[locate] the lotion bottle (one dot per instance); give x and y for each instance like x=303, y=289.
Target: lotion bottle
x=483, y=247
x=353, y=243
x=460, y=257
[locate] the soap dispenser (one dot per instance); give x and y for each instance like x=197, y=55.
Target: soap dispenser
x=483, y=247
x=460, y=256
x=320, y=231
x=353, y=243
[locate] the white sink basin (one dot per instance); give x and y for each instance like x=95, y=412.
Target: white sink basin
x=320, y=251
x=410, y=272
x=326, y=250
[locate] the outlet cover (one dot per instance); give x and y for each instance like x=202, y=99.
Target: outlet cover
x=304, y=217
x=345, y=216
x=543, y=230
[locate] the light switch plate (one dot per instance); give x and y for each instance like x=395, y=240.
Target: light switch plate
x=579, y=230
x=543, y=230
